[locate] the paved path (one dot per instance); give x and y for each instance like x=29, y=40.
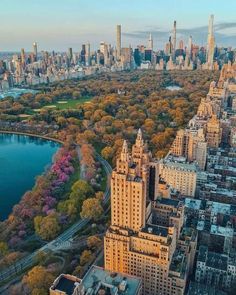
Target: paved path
x=28, y=261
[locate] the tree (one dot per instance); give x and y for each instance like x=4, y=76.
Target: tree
x=38, y=291
x=3, y=249
x=78, y=271
x=70, y=207
x=107, y=153
x=91, y=209
x=93, y=242
x=81, y=188
x=47, y=227
x=38, y=279
x=61, y=121
x=86, y=257
x=99, y=196
x=89, y=136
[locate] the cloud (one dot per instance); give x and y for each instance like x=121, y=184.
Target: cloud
x=223, y=26
x=199, y=34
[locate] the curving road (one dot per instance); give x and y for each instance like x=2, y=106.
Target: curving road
x=28, y=261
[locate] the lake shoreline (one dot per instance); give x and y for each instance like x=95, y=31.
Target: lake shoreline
x=26, y=157
x=32, y=135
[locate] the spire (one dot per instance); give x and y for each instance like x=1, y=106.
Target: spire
x=210, y=43
x=150, y=42
x=125, y=147
x=210, y=28
x=174, y=38
x=140, y=135
x=139, y=139
x=124, y=152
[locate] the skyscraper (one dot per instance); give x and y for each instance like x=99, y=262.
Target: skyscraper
x=82, y=54
x=210, y=43
x=150, y=42
x=118, y=41
x=170, y=46
x=174, y=39
x=22, y=57
x=70, y=53
x=141, y=240
x=87, y=55
x=190, y=46
x=35, y=51
x=106, y=55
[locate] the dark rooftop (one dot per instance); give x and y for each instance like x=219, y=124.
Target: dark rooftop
x=169, y=202
x=178, y=262
x=233, y=210
x=212, y=259
x=65, y=285
x=202, y=289
x=156, y=230
x=216, y=260
x=202, y=254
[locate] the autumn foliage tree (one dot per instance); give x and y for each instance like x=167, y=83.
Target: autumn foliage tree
x=38, y=280
x=94, y=242
x=47, y=227
x=92, y=208
x=86, y=257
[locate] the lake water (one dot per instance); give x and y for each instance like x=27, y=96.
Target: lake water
x=173, y=88
x=22, y=158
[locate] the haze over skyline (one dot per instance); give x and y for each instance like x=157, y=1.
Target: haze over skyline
x=69, y=24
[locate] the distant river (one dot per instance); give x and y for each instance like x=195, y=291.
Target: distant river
x=22, y=158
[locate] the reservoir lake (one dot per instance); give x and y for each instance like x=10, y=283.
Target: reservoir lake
x=22, y=159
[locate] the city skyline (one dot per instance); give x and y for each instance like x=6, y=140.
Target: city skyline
x=76, y=23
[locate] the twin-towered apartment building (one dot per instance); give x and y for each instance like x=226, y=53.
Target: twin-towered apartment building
x=145, y=238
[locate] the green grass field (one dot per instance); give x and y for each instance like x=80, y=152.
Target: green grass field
x=68, y=103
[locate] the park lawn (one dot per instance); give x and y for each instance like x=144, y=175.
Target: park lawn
x=69, y=103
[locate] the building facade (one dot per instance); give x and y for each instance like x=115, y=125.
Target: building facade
x=137, y=242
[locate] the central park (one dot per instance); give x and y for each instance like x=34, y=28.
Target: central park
x=89, y=118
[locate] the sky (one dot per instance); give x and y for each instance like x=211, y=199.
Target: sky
x=60, y=24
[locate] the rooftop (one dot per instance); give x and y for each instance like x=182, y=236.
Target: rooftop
x=202, y=289
x=178, y=262
x=66, y=283
x=188, y=233
x=193, y=203
x=217, y=207
x=224, y=192
x=212, y=259
x=181, y=166
x=156, y=230
x=179, y=163
x=97, y=279
x=169, y=202
x=202, y=254
x=216, y=260
x=222, y=231
x=200, y=225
